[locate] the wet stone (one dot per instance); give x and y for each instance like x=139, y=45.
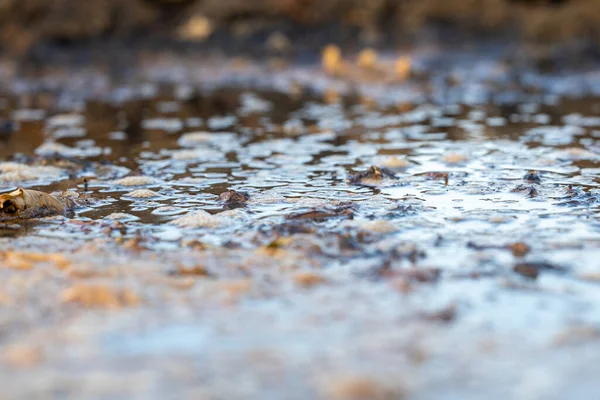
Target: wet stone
x=342, y=211
x=533, y=269
x=533, y=177
x=445, y=176
x=527, y=270
x=134, y=181
x=142, y=194
x=371, y=175
x=232, y=197
x=525, y=190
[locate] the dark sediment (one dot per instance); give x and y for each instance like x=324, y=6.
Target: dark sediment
x=289, y=27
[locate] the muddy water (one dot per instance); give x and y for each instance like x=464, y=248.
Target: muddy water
x=464, y=265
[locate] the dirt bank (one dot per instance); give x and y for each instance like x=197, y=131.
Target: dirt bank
x=282, y=24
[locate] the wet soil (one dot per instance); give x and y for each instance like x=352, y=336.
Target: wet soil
x=41, y=29
x=294, y=233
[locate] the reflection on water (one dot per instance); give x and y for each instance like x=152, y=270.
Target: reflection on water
x=472, y=179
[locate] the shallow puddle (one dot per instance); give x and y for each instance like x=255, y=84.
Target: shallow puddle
x=303, y=244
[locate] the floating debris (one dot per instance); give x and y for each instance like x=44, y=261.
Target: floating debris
x=533, y=269
x=533, y=177
x=527, y=270
x=232, y=197
x=371, y=176
x=439, y=175
x=25, y=203
x=527, y=191
x=344, y=211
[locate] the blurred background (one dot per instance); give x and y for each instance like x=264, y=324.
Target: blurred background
x=35, y=30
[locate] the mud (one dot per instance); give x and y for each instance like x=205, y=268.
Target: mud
x=39, y=31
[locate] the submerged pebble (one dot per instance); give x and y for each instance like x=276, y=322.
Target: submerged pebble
x=142, y=194
x=198, y=219
x=232, y=197
x=372, y=176
x=135, y=181
x=121, y=217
